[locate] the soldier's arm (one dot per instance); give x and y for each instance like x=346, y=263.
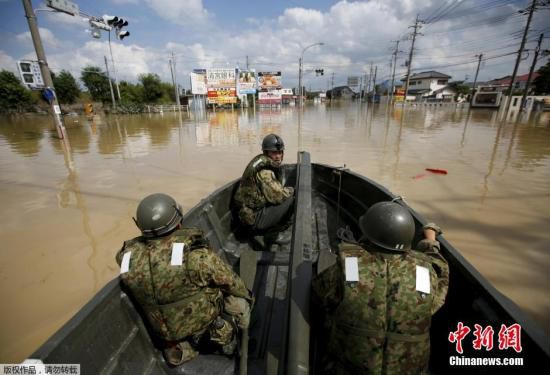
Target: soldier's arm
x=273, y=190
x=222, y=276
x=327, y=288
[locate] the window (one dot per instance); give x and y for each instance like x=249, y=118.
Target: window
x=441, y=81
x=413, y=83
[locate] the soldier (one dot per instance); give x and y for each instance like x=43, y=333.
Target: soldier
x=188, y=293
x=380, y=296
x=263, y=202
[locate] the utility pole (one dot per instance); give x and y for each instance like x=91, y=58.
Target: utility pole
x=537, y=50
x=332, y=87
x=247, y=62
x=374, y=82
x=480, y=56
x=110, y=82
x=173, y=71
x=114, y=68
x=520, y=51
x=44, y=69
x=416, y=26
x=394, y=65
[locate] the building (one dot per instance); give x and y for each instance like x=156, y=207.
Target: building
x=519, y=83
x=341, y=92
x=430, y=84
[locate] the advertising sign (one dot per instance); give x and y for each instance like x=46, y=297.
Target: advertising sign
x=269, y=80
x=221, y=85
x=270, y=97
x=220, y=78
x=247, y=82
x=226, y=95
x=198, y=82
x=286, y=92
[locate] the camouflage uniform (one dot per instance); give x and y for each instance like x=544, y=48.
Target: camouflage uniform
x=260, y=186
x=380, y=324
x=181, y=301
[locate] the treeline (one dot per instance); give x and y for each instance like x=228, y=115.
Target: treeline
x=15, y=97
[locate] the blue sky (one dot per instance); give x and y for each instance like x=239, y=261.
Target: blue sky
x=215, y=33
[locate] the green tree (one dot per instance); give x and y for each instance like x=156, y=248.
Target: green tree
x=66, y=87
x=131, y=93
x=542, y=82
x=152, y=87
x=13, y=95
x=97, y=83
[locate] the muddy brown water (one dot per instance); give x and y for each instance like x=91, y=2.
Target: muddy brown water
x=66, y=211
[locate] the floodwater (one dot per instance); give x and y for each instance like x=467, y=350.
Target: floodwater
x=66, y=211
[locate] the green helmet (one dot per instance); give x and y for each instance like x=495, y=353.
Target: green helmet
x=158, y=214
x=272, y=142
x=388, y=225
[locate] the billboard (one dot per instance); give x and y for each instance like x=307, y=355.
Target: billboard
x=220, y=78
x=198, y=82
x=226, y=95
x=247, y=82
x=221, y=85
x=270, y=80
x=270, y=97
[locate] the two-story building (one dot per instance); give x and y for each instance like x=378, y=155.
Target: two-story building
x=430, y=84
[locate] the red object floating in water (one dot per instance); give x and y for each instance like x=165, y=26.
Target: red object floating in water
x=438, y=171
x=418, y=176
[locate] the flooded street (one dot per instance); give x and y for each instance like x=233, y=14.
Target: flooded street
x=67, y=212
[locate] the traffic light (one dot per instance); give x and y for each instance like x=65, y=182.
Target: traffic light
x=123, y=34
x=319, y=72
x=110, y=20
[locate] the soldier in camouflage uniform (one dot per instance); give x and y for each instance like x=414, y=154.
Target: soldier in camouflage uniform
x=380, y=296
x=188, y=293
x=263, y=202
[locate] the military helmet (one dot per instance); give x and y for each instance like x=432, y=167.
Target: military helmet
x=272, y=142
x=157, y=214
x=388, y=225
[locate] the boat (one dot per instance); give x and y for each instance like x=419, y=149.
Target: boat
x=108, y=335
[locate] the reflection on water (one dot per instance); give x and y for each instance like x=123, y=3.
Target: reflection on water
x=69, y=210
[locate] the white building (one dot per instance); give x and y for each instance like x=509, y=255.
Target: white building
x=430, y=84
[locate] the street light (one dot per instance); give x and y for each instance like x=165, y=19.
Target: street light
x=300, y=62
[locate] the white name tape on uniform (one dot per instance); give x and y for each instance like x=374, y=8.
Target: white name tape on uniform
x=125, y=264
x=423, y=279
x=352, y=269
x=177, y=254
x=256, y=163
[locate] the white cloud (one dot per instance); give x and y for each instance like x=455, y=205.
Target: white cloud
x=125, y=2
x=354, y=34
x=7, y=62
x=185, y=13
x=46, y=36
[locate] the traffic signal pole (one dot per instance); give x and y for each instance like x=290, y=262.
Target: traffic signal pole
x=41, y=55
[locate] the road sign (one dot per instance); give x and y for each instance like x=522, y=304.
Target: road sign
x=30, y=74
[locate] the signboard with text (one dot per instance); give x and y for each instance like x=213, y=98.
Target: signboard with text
x=221, y=84
x=30, y=74
x=198, y=82
x=270, y=97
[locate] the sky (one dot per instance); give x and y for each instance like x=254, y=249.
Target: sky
x=272, y=35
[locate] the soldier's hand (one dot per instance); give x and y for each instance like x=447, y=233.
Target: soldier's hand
x=290, y=190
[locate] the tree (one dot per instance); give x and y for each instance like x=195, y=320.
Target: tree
x=97, y=83
x=152, y=87
x=542, y=82
x=66, y=87
x=13, y=95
